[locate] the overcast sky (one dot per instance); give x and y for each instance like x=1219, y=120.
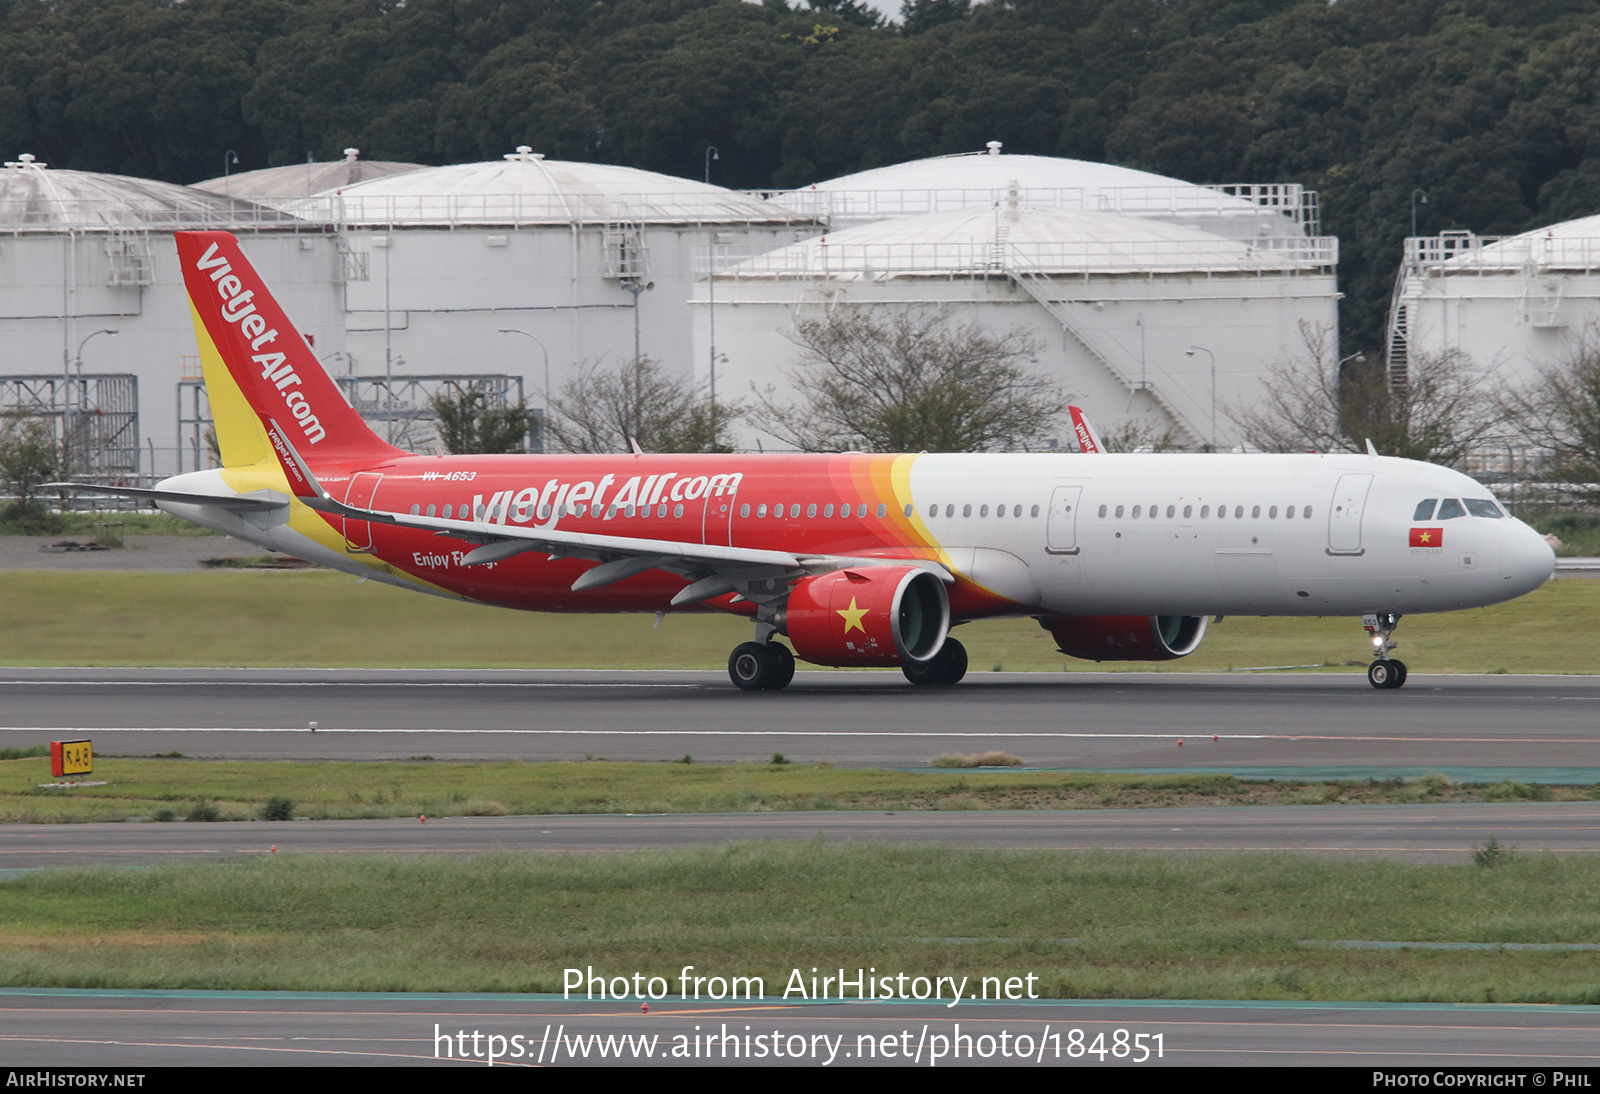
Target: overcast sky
x=889, y=8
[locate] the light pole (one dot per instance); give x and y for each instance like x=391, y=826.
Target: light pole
x=711, y=322
x=1338, y=369
x=1190, y=352
x=542, y=350
x=67, y=415
x=388, y=339
x=229, y=158
x=77, y=358
x=711, y=305
x=635, y=286
x=1418, y=196
x=340, y=355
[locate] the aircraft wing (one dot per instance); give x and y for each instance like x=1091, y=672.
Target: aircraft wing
x=711, y=570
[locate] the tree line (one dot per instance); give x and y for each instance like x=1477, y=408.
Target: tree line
x=1485, y=106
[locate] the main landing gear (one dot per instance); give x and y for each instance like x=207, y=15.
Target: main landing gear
x=1385, y=671
x=769, y=666
x=761, y=666
x=947, y=667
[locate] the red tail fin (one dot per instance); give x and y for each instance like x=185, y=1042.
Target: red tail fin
x=1088, y=439
x=272, y=364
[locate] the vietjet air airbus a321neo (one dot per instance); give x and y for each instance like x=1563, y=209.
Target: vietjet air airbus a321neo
x=856, y=559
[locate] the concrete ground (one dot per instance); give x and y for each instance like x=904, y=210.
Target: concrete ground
x=168, y=553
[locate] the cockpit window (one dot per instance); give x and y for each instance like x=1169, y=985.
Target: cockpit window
x=1483, y=507
x=1450, y=507
x=1425, y=509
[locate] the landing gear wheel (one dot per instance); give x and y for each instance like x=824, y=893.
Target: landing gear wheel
x=946, y=667
x=1386, y=673
x=751, y=667
x=782, y=666
x=954, y=658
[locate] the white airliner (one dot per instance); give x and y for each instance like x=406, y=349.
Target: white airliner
x=856, y=559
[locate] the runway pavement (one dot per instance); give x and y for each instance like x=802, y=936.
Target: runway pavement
x=130, y=1030
x=171, y=554
x=1412, y=833
x=1545, y=727
x=1318, y=723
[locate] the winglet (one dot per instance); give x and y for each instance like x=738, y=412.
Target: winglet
x=1088, y=439
x=1371, y=451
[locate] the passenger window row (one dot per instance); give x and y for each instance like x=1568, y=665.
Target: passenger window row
x=793, y=511
x=492, y=512
x=1154, y=511
x=983, y=510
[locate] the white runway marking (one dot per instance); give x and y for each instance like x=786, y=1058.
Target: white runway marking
x=626, y=732
x=1199, y=739
x=330, y=684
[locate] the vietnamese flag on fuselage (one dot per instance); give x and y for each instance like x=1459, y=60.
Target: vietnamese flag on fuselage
x=1427, y=537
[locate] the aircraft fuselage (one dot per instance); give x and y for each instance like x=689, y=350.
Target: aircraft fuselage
x=1023, y=534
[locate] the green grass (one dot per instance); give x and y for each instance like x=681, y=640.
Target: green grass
x=1216, y=926
x=1579, y=532
x=239, y=790
x=85, y=523
x=327, y=619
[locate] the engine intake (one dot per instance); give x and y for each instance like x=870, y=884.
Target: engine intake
x=872, y=616
x=1126, y=637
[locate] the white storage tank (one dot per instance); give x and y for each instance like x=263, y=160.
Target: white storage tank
x=276, y=185
x=584, y=261
x=83, y=255
x=1516, y=303
x=1141, y=320
x=980, y=179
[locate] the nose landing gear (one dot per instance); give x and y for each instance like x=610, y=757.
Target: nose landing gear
x=1385, y=671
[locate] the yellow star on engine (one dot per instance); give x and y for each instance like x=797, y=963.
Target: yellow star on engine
x=852, y=617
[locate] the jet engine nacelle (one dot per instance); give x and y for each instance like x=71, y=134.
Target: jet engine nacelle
x=1126, y=637
x=874, y=615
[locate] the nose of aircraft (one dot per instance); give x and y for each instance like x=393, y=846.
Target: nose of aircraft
x=1527, y=560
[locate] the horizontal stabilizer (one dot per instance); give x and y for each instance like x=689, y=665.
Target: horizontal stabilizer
x=259, y=501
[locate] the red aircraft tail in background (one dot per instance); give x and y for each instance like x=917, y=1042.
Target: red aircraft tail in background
x=1088, y=439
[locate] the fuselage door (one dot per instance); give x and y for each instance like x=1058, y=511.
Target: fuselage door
x=1061, y=531
x=358, y=533
x=1345, y=513
x=716, y=521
